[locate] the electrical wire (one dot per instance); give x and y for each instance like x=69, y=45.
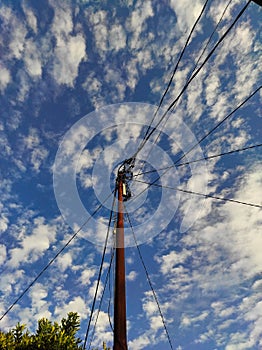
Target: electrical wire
x=196, y=64
x=101, y=300
x=191, y=78
x=221, y=122
x=149, y=280
x=200, y=160
x=212, y=34
x=52, y=260
x=202, y=194
x=203, y=138
x=100, y=269
x=175, y=69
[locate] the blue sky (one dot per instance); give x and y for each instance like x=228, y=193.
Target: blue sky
x=87, y=75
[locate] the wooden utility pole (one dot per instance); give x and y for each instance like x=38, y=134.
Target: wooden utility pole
x=120, y=338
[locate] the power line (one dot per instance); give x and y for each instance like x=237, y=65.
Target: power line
x=100, y=269
x=197, y=62
x=101, y=300
x=53, y=259
x=212, y=34
x=221, y=122
x=204, y=137
x=191, y=78
x=174, y=72
x=201, y=159
x=149, y=281
x=221, y=154
x=202, y=194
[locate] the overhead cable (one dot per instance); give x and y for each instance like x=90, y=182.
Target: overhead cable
x=200, y=159
x=191, y=78
x=102, y=297
x=204, y=137
x=149, y=281
x=213, y=32
x=196, y=64
x=100, y=269
x=217, y=125
x=175, y=69
x=53, y=259
x=202, y=194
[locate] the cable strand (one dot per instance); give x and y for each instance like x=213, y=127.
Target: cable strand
x=194, y=75
x=101, y=300
x=149, y=280
x=204, y=137
x=196, y=64
x=202, y=194
x=200, y=159
x=174, y=72
x=100, y=270
x=52, y=260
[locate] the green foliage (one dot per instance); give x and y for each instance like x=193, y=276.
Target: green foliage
x=48, y=336
x=104, y=347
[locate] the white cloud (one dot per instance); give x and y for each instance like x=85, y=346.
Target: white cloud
x=17, y=38
x=92, y=289
x=136, y=22
x=24, y=85
x=77, y=304
x=37, y=152
x=3, y=223
x=68, y=55
x=186, y=13
x=117, y=37
x=62, y=24
x=37, y=157
x=92, y=85
x=33, y=245
x=169, y=261
x=212, y=263
x=69, y=50
x=217, y=9
x=238, y=341
x=32, y=59
x=150, y=307
x=2, y=253
x=154, y=333
x=212, y=89
x=5, y=78
x=30, y=17
x=86, y=276
x=64, y=261
x=98, y=20
x=9, y=281
x=103, y=332
x=131, y=276
x=38, y=294
x=139, y=343
x=188, y=320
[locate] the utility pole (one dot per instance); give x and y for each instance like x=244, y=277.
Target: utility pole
x=120, y=338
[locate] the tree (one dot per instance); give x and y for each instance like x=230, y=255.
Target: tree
x=48, y=336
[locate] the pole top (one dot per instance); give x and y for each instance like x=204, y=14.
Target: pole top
x=125, y=174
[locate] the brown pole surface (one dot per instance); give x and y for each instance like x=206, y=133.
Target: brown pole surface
x=120, y=338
